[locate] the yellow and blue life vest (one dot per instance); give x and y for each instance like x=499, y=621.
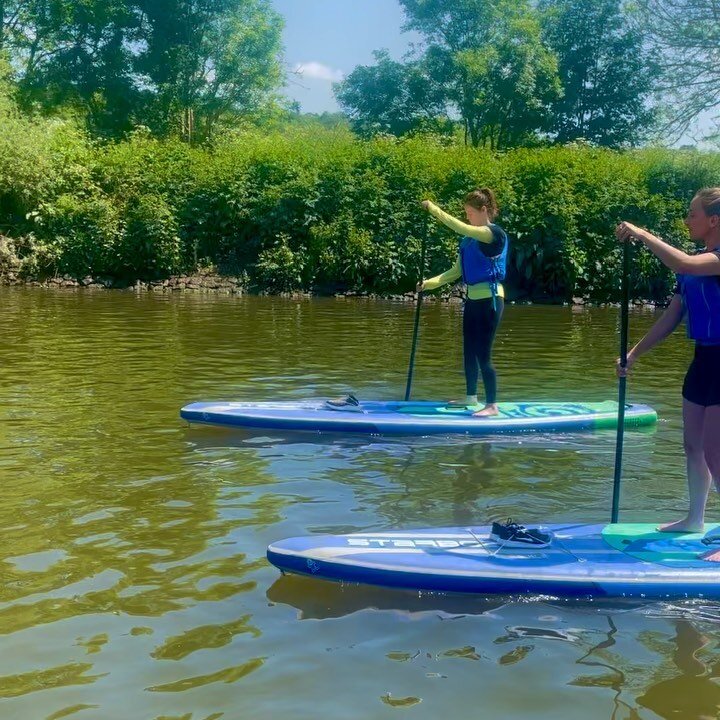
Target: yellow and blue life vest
x=477, y=267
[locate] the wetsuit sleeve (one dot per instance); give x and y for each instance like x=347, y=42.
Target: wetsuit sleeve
x=454, y=273
x=479, y=232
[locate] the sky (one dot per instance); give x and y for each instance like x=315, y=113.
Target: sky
x=326, y=39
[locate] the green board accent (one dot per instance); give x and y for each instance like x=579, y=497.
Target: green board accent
x=649, y=418
x=644, y=542
x=516, y=410
x=605, y=412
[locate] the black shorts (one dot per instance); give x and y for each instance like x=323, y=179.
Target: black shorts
x=702, y=382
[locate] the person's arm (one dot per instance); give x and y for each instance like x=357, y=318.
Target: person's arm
x=677, y=260
x=480, y=232
x=664, y=326
x=454, y=273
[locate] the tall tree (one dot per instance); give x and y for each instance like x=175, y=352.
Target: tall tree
x=73, y=53
x=206, y=58
x=499, y=76
x=607, y=74
x=171, y=64
x=393, y=97
x=686, y=34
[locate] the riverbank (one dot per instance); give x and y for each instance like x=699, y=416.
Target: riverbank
x=213, y=283
x=201, y=283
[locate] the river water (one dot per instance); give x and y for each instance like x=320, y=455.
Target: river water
x=132, y=545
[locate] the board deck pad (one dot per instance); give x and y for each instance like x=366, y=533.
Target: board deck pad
x=647, y=543
x=419, y=418
x=582, y=561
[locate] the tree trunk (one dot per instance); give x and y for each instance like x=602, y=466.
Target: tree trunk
x=187, y=121
x=475, y=131
x=184, y=120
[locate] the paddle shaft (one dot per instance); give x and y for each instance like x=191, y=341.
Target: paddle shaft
x=622, y=387
x=416, y=329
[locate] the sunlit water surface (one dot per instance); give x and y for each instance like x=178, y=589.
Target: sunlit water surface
x=132, y=545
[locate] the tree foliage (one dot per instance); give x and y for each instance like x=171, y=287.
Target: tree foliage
x=499, y=76
x=686, y=36
x=512, y=72
x=483, y=64
x=607, y=74
x=205, y=59
x=393, y=97
x=173, y=65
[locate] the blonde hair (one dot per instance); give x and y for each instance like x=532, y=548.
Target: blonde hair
x=710, y=200
x=485, y=197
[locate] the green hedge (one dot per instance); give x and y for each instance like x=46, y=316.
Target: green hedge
x=321, y=210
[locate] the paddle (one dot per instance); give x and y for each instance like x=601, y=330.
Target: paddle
x=417, y=313
x=623, y=380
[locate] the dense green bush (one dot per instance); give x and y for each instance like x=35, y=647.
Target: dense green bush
x=83, y=232
x=150, y=246
x=320, y=210
x=38, y=160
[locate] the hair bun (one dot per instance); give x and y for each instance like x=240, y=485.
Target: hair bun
x=483, y=198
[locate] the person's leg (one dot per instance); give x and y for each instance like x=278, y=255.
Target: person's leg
x=711, y=442
x=698, y=473
x=711, y=450
x=711, y=428
x=489, y=325
x=470, y=348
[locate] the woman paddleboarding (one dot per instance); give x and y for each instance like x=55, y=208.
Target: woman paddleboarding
x=481, y=263
x=697, y=299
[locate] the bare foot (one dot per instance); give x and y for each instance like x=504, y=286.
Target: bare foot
x=487, y=411
x=682, y=526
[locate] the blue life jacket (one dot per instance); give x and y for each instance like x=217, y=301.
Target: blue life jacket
x=701, y=298
x=478, y=267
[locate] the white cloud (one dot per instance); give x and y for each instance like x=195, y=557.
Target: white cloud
x=317, y=71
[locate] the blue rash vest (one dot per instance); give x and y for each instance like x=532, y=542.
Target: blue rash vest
x=701, y=300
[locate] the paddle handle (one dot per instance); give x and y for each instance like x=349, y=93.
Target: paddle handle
x=418, y=307
x=622, y=386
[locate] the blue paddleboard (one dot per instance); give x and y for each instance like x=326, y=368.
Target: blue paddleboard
x=417, y=418
x=582, y=561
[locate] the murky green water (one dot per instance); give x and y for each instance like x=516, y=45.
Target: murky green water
x=132, y=546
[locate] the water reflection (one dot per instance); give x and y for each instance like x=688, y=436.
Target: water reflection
x=694, y=692
x=317, y=599
x=676, y=676
x=473, y=475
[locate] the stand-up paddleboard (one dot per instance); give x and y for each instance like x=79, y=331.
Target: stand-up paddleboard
x=581, y=561
x=417, y=418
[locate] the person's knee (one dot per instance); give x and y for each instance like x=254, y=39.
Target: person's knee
x=693, y=447
x=712, y=458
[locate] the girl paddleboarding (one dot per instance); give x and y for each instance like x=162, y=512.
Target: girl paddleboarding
x=481, y=263
x=697, y=299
